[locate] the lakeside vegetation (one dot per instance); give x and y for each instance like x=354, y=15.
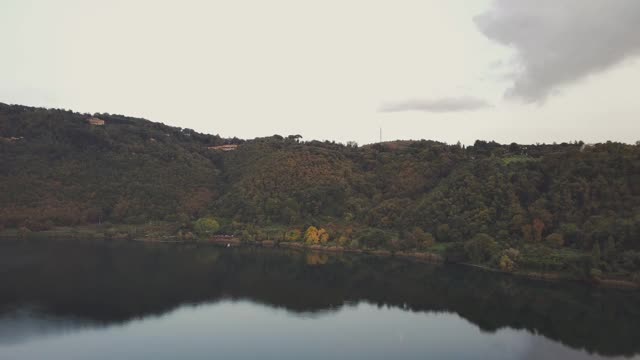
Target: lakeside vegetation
x=569, y=208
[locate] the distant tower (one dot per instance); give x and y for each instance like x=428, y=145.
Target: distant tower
x=380, y=133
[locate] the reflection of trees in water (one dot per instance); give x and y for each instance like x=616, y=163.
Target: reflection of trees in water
x=317, y=258
x=119, y=281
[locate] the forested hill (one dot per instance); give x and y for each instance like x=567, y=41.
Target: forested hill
x=58, y=169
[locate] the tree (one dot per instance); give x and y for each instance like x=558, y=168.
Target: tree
x=527, y=233
x=595, y=254
x=555, y=240
x=323, y=236
x=506, y=264
x=293, y=235
x=481, y=248
x=373, y=238
x=196, y=202
x=569, y=232
x=421, y=239
x=311, y=235
x=443, y=232
x=428, y=240
x=538, y=228
x=206, y=226
x=343, y=239
x=610, y=250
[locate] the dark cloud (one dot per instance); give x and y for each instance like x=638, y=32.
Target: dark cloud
x=465, y=103
x=560, y=42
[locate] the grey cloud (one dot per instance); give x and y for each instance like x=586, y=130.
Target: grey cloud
x=452, y=104
x=561, y=42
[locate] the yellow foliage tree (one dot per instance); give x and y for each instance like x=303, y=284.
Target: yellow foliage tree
x=314, y=235
x=506, y=264
x=311, y=235
x=323, y=236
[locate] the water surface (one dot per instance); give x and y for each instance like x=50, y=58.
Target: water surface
x=70, y=300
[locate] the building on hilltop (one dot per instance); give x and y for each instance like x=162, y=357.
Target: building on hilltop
x=12, y=138
x=223, y=147
x=95, y=121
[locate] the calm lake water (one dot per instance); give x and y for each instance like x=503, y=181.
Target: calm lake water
x=91, y=300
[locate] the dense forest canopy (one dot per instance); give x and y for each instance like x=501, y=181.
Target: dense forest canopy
x=486, y=203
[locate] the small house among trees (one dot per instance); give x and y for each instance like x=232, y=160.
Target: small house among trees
x=223, y=147
x=95, y=121
x=11, y=139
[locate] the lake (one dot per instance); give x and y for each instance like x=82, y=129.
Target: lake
x=101, y=300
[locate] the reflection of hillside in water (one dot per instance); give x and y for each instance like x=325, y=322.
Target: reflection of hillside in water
x=25, y=324
x=99, y=284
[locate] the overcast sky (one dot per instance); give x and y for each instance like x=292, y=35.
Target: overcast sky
x=455, y=70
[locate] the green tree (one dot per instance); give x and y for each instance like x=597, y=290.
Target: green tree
x=570, y=232
x=293, y=235
x=206, y=226
x=420, y=238
x=610, y=250
x=595, y=254
x=527, y=233
x=481, y=248
x=538, y=228
x=555, y=240
x=443, y=232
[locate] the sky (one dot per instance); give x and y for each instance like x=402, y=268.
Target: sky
x=526, y=71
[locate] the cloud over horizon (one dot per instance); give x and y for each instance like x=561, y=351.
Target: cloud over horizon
x=558, y=43
x=441, y=105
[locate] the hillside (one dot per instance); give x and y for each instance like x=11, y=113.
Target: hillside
x=564, y=207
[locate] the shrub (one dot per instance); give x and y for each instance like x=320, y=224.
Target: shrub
x=420, y=239
x=293, y=235
x=443, y=232
x=506, y=264
x=373, y=238
x=206, y=226
x=481, y=248
x=512, y=253
x=343, y=239
x=455, y=253
x=555, y=240
x=569, y=232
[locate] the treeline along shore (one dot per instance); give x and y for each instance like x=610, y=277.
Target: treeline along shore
x=571, y=209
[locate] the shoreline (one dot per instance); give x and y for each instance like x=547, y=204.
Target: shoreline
x=424, y=257
x=559, y=277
